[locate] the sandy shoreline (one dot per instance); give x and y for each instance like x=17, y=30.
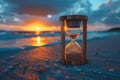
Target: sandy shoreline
x=42, y=63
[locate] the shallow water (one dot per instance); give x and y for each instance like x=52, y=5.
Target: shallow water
x=33, y=41
x=21, y=41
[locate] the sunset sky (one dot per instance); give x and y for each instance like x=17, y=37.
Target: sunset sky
x=32, y=15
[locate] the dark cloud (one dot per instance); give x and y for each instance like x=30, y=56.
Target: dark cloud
x=41, y=7
x=108, y=13
x=36, y=10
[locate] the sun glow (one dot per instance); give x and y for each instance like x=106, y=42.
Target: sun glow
x=36, y=26
x=65, y=27
x=38, y=30
x=39, y=26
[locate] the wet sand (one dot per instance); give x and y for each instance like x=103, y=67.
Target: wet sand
x=43, y=63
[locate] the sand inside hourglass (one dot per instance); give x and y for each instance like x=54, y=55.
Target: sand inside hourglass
x=73, y=52
x=73, y=49
x=73, y=36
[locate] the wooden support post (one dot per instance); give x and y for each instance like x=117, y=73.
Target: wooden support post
x=63, y=42
x=84, y=42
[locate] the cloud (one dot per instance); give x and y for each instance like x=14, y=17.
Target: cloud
x=41, y=7
x=108, y=13
x=81, y=7
x=21, y=12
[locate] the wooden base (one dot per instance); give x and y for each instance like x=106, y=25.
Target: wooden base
x=62, y=61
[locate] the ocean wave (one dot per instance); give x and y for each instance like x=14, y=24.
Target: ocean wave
x=23, y=46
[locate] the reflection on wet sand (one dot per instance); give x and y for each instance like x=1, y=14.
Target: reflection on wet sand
x=38, y=41
x=33, y=41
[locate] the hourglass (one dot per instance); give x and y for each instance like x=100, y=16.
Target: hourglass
x=73, y=53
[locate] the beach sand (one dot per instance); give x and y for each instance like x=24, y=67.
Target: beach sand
x=43, y=63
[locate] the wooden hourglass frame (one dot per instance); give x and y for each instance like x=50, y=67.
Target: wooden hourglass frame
x=83, y=20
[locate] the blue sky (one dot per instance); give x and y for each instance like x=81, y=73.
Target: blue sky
x=95, y=3
x=15, y=14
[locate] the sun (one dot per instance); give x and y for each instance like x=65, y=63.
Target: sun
x=38, y=28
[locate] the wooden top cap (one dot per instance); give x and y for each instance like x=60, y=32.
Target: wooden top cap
x=73, y=17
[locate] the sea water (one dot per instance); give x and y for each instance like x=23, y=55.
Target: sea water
x=10, y=41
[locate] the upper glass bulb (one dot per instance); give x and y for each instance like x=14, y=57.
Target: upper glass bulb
x=73, y=28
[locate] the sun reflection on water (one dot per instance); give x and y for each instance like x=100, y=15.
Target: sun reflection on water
x=38, y=40
x=26, y=42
